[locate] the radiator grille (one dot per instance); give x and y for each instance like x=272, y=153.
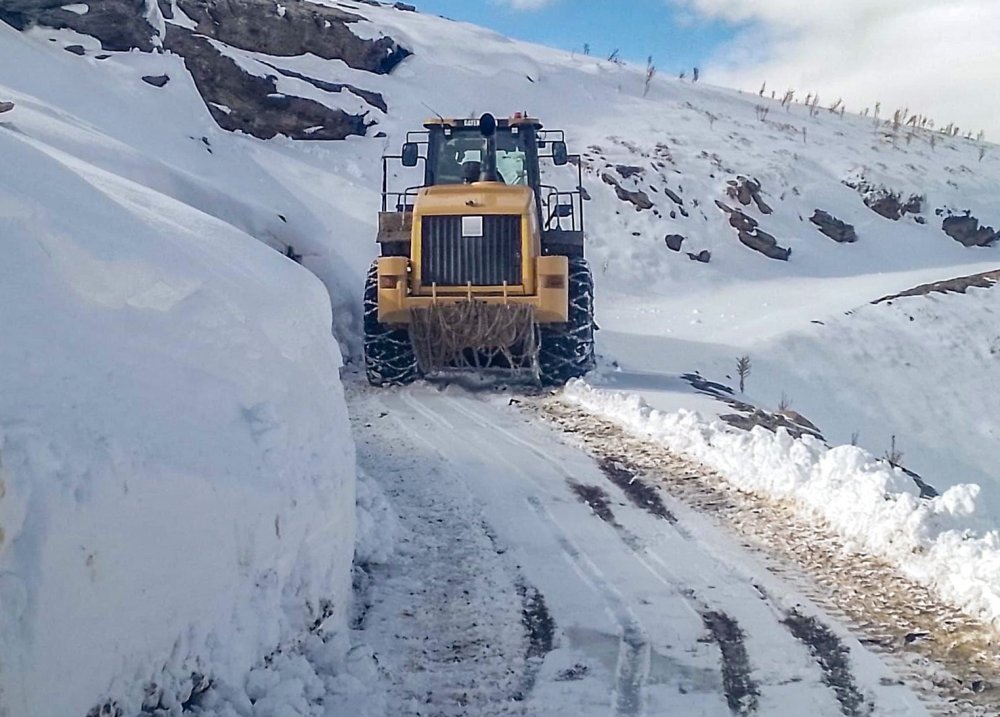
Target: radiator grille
x=449, y=259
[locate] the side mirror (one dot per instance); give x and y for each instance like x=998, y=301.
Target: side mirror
x=411, y=153
x=564, y=210
x=559, y=154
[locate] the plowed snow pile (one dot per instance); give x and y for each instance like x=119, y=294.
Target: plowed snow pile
x=940, y=542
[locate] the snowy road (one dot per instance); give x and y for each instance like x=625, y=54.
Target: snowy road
x=528, y=579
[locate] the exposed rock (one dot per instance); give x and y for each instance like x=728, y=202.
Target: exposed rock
x=885, y=202
x=772, y=422
x=704, y=256
x=891, y=206
x=639, y=198
x=6, y=107
x=404, y=6
x=120, y=25
x=303, y=28
x=156, y=80
x=627, y=171
x=746, y=190
x=372, y=98
x=75, y=49
x=243, y=102
x=832, y=227
x=766, y=244
x=254, y=25
x=749, y=415
x=674, y=241
x=674, y=197
x=751, y=235
x=967, y=231
x=986, y=280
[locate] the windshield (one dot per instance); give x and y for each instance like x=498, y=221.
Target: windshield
x=468, y=146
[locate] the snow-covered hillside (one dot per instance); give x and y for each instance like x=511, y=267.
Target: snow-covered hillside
x=169, y=383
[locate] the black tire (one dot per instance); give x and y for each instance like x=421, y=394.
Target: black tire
x=389, y=357
x=566, y=351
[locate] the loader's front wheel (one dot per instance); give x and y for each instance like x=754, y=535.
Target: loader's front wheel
x=389, y=357
x=566, y=351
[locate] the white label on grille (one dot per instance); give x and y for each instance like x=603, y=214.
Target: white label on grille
x=472, y=226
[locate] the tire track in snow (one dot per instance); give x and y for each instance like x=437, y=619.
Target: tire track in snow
x=833, y=657
x=742, y=691
x=955, y=668
x=634, y=650
x=447, y=607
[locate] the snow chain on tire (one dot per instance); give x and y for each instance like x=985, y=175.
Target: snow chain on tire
x=567, y=350
x=389, y=356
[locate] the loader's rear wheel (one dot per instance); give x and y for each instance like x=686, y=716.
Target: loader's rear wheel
x=389, y=357
x=566, y=351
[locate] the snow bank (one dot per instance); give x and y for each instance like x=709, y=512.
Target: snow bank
x=875, y=507
x=176, y=466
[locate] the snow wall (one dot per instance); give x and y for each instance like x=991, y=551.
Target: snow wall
x=176, y=466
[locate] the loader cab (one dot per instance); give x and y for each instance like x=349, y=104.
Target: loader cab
x=458, y=155
x=509, y=151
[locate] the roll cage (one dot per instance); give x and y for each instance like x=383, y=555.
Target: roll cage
x=560, y=211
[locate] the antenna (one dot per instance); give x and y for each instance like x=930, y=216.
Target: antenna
x=436, y=113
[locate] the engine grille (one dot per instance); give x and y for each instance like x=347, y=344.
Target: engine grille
x=449, y=259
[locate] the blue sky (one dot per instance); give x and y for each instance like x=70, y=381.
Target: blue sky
x=919, y=54
x=638, y=28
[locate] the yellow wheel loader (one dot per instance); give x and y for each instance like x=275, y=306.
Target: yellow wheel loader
x=481, y=264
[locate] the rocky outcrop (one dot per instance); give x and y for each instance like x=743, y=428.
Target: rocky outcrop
x=372, y=98
x=247, y=103
x=793, y=422
x=626, y=170
x=884, y=201
x=891, y=205
x=752, y=236
x=960, y=285
x=839, y=231
x=674, y=241
x=637, y=197
x=746, y=190
x=237, y=99
x=120, y=25
x=156, y=80
x=299, y=28
x=702, y=257
x=968, y=232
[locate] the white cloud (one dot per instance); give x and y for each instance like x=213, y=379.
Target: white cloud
x=937, y=57
x=524, y=4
